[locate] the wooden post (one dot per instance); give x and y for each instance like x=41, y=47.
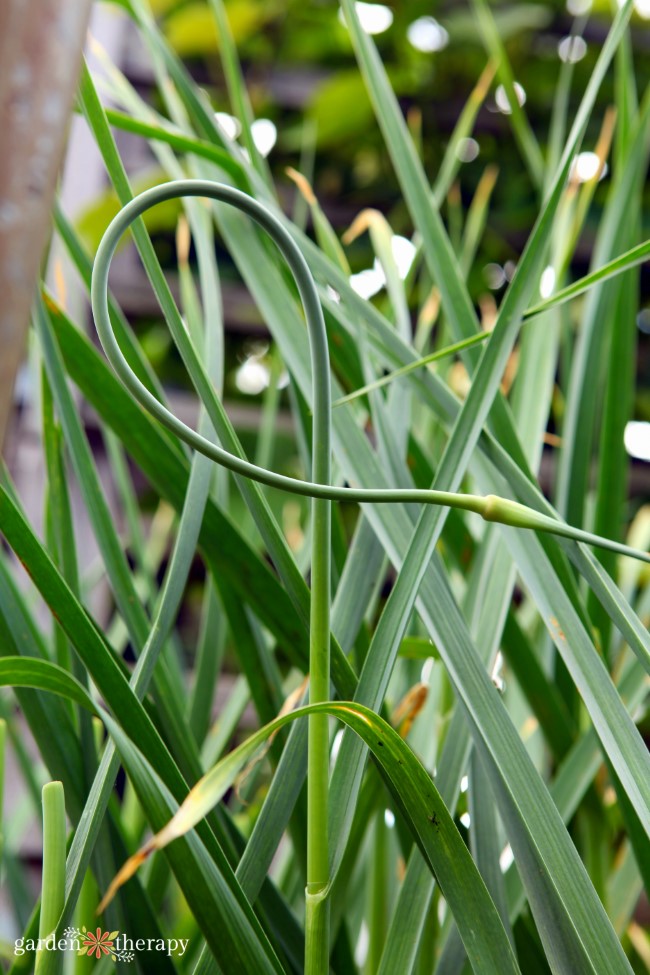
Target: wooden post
x=41, y=42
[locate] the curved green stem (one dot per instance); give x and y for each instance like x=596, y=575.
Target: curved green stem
x=318, y=489
x=509, y=512
x=318, y=763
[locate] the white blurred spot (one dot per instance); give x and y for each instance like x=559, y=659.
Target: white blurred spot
x=642, y=7
x=229, y=125
x=334, y=295
x=426, y=34
x=336, y=744
x=637, y=439
x=547, y=282
x=367, y=283
x=375, y=18
x=503, y=103
x=577, y=7
x=572, y=49
x=464, y=783
x=509, y=269
x=442, y=910
x=389, y=818
x=24, y=384
x=467, y=150
x=361, y=950
x=585, y=166
x=506, y=858
x=252, y=376
x=403, y=254
x=264, y=135
x=497, y=680
x=494, y=276
x=465, y=820
x=427, y=668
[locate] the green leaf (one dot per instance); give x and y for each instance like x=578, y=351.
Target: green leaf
x=211, y=907
x=420, y=803
x=46, y=676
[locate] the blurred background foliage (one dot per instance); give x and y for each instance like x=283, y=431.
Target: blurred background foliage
x=302, y=78
x=301, y=74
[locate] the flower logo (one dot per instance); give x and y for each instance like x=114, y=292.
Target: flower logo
x=100, y=943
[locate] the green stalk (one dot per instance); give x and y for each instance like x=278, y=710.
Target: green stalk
x=53, y=882
x=86, y=906
x=317, y=906
x=317, y=945
x=378, y=887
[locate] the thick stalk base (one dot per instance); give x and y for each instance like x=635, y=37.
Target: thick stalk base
x=317, y=933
